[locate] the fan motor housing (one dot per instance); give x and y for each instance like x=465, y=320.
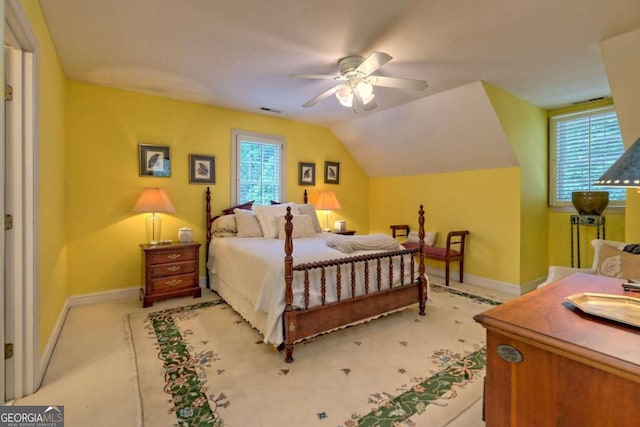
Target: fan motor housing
x=349, y=64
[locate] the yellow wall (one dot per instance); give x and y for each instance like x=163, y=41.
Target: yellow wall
x=526, y=129
x=486, y=202
x=52, y=254
x=104, y=127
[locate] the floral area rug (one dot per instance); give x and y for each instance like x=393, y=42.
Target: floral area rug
x=203, y=365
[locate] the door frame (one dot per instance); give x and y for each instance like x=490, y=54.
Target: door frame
x=27, y=375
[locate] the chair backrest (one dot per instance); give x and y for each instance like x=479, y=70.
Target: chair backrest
x=457, y=238
x=401, y=230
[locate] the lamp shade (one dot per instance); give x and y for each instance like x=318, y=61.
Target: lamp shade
x=154, y=199
x=327, y=201
x=625, y=172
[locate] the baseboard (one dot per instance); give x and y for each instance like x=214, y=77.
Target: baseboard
x=87, y=299
x=470, y=279
x=51, y=344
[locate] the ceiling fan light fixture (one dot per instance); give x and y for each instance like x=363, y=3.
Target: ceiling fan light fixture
x=345, y=95
x=365, y=91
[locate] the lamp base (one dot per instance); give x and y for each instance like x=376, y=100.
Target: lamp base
x=154, y=227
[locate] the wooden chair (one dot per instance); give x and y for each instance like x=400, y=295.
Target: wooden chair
x=452, y=252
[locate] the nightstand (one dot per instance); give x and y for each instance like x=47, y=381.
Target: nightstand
x=345, y=232
x=169, y=271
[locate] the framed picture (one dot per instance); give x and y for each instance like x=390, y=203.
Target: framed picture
x=202, y=169
x=331, y=173
x=154, y=160
x=306, y=173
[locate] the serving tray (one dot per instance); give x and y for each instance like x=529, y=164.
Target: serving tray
x=613, y=307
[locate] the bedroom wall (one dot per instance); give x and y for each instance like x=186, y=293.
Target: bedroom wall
x=52, y=251
x=104, y=127
x=620, y=55
x=486, y=202
x=526, y=128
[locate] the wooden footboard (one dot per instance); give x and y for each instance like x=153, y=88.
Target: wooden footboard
x=376, y=300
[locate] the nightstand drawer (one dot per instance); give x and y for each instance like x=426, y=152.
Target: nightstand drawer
x=172, y=283
x=172, y=269
x=173, y=256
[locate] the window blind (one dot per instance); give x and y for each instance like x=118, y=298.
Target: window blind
x=586, y=144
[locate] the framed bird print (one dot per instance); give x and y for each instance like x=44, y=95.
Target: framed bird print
x=202, y=169
x=306, y=173
x=154, y=160
x=331, y=173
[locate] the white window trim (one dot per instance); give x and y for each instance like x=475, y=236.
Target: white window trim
x=239, y=135
x=614, y=206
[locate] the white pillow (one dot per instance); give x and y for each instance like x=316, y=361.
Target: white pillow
x=225, y=223
x=248, y=225
x=429, y=237
x=302, y=226
x=267, y=217
x=308, y=209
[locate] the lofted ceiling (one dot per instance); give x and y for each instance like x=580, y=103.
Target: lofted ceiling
x=240, y=54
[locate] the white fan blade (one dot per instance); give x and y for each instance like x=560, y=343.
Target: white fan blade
x=398, y=83
x=321, y=97
x=372, y=63
x=317, y=76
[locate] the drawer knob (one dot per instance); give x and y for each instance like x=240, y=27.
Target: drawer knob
x=174, y=268
x=174, y=282
x=509, y=353
x=173, y=256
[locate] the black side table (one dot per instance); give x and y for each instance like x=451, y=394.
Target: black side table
x=588, y=221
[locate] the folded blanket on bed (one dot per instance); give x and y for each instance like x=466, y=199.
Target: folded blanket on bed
x=369, y=242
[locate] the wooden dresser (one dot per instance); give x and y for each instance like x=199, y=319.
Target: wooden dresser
x=575, y=369
x=170, y=271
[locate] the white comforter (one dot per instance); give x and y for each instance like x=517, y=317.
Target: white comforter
x=255, y=267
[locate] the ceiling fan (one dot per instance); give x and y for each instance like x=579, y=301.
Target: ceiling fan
x=357, y=89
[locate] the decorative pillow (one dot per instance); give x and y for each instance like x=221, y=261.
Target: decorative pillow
x=267, y=214
x=302, y=226
x=248, y=225
x=224, y=234
x=225, y=223
x=429, y=237
x=616, y=263
x=308, y=209
x=246, y=206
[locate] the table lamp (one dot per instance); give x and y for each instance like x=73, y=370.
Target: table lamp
x=327, y=201
x=153, y=200
x=625, y=172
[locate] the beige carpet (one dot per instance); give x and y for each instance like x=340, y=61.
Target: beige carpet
x=203, y=365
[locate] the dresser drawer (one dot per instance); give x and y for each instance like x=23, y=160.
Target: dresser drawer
x=172, y=269
x=172, y=283
x=173, y=256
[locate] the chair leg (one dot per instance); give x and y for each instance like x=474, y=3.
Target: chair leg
x=446, y=273
x=461, y=271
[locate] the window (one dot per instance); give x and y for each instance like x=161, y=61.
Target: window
x=583, y=146
x=258, y=168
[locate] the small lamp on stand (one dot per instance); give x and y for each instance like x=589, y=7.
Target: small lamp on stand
x=327, y=201
x=153, y=200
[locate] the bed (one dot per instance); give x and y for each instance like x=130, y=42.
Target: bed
x=335, y=280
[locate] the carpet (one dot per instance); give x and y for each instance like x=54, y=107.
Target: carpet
x=202, y=364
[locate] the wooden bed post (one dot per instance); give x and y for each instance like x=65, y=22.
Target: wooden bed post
x=422, y=290
x=289, y=316
x=208, y=215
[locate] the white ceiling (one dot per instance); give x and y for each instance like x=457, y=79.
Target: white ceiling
x=239, y=53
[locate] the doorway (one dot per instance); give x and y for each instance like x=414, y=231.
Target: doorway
x=20, y=375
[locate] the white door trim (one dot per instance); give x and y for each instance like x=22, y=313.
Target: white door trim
x=23, y=190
